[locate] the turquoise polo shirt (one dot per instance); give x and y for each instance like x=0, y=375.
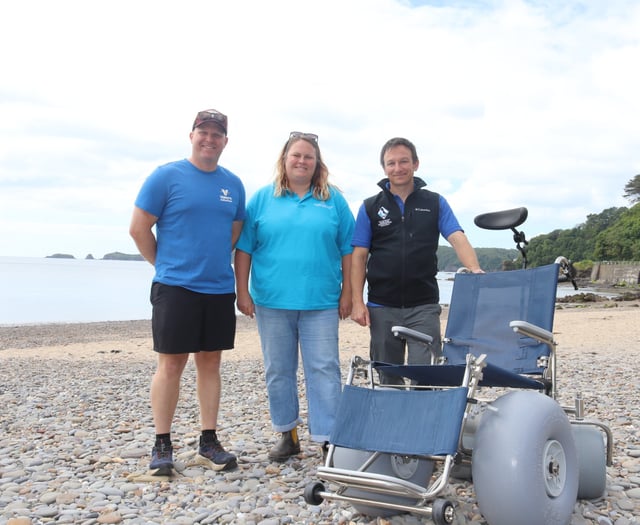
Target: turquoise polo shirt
x=296, y=247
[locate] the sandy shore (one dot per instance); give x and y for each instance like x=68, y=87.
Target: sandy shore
x=611, y=326
x=76, y=427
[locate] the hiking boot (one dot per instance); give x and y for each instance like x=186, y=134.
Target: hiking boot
x=285, y=448
x=218, y=458
x=162, y=460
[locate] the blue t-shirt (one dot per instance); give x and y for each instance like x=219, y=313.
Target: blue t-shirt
x=447, y=223
x=195, y=210
x=296, y=247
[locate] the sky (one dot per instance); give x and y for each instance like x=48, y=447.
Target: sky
x=509, y=102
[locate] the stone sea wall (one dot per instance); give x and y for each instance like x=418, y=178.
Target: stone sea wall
x=616, y=272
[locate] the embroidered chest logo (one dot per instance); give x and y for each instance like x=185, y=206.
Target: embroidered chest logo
x=225, y=195
x=383, y=213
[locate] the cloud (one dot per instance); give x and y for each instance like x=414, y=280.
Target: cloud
x=510, y=103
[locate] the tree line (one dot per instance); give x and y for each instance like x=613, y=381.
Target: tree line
x=611, y=235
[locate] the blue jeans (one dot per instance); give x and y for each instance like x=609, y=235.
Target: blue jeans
x=316, y=334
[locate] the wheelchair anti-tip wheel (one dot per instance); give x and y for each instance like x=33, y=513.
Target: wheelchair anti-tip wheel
x=415, y=470
x=524, y=463
x=312, y=493
x=442, y=512
x=592, y=461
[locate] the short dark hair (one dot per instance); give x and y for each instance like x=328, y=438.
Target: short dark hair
x=398, y=141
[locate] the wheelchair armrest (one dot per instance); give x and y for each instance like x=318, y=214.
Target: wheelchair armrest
x=533, y=331
x=408, y=333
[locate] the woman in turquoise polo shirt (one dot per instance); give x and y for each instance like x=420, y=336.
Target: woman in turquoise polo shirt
x=296, y=244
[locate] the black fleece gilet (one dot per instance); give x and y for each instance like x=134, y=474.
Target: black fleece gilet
x=402, y=265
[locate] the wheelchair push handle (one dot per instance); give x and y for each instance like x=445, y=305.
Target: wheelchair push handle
x=567, y=271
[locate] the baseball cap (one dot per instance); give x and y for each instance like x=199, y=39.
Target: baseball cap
x=211, y=115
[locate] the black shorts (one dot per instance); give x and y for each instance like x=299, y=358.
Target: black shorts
x=184, y=321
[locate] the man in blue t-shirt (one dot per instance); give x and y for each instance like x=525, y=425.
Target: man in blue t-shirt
x=395, y=242
x=197, y=208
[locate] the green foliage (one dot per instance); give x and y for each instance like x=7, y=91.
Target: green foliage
x=621, y=241
x=511, y=265
x=632, y=190
x=490, y=259
x=583, y=266
x=447, y=259
x=583, y=269
x=577, y=243
x=612, y=235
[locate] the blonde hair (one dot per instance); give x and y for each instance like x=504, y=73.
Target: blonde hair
x=319, y=181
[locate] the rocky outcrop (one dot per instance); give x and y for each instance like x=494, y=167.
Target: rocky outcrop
x=118, y=256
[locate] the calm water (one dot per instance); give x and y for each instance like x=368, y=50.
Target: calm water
x=41, y=290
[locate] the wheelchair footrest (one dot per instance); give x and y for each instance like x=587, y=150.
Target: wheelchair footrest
x=373, y=482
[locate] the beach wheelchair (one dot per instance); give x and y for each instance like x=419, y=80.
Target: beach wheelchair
x=485, y=411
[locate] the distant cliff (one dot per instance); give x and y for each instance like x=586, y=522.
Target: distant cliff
x=113, y=256
x=117, y=256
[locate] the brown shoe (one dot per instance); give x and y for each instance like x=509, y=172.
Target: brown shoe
x=287, y=446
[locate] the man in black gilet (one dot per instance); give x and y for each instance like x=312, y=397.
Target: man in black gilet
x=395, y=243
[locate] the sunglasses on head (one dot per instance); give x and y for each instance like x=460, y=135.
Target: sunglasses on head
x=210, y=115
x=301, y=135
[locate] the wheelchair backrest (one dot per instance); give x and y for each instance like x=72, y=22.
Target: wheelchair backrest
x=483, y=305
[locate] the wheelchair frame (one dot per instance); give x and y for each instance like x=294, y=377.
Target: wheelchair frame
x=367, y=477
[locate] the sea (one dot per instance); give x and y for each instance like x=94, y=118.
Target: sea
x=52, y=290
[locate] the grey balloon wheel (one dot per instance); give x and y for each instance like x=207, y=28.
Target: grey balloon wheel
x=592, y=461
x=414, y=470
x=524, y=464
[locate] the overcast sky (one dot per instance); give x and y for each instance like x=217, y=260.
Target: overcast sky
x=509, y=102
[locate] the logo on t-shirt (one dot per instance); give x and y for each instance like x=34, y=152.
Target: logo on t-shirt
x=225, y=195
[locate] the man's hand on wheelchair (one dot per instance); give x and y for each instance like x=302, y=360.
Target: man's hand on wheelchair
x=464, y=269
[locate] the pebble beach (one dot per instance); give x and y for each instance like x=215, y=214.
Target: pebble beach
x=76, y=428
